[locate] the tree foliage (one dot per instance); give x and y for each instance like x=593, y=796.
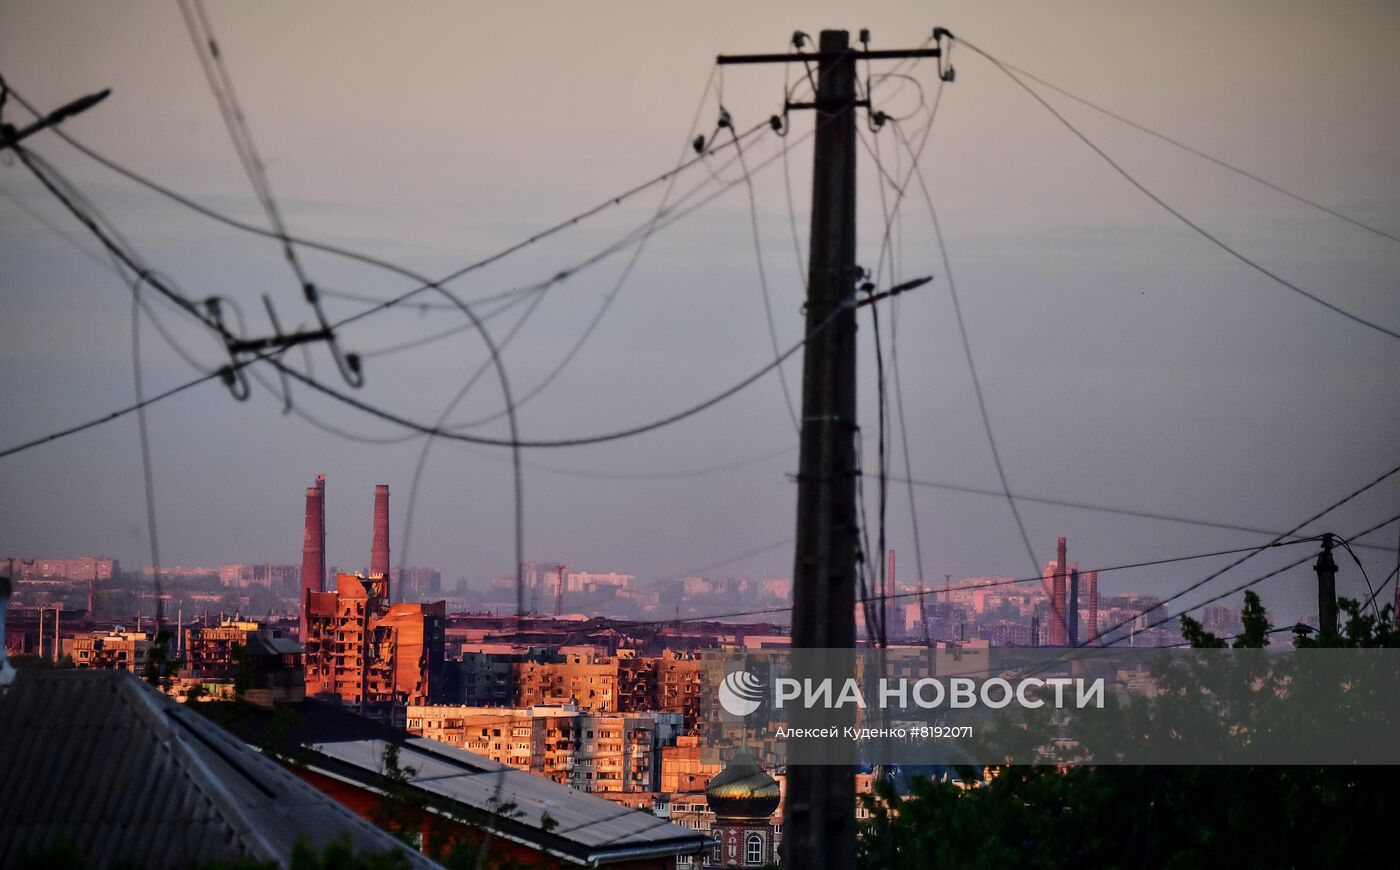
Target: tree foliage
x=1155, y=817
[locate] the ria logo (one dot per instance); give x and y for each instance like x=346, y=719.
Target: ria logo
x=740, y=693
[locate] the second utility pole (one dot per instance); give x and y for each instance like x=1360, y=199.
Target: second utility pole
x=819, y=826
x=1326, y=569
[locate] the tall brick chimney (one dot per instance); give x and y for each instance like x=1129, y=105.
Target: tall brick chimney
x=321, y=496
x=379, y=554
x=313, y=545
x=1059, y=635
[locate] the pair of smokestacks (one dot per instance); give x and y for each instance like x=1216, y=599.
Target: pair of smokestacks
x=1064, y=601
x=313, y=547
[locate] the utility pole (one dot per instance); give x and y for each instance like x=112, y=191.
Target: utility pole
x=819, y=822
x=923, y=617
x=888, y=588
x=1326, y=569
x=1073, y=613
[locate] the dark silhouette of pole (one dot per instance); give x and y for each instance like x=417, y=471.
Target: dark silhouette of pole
x=1073, y=613
x=1326, y=569
x=819, y=820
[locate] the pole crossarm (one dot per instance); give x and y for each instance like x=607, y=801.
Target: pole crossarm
x=820, y=56
x=893, y=291
x=277, y=342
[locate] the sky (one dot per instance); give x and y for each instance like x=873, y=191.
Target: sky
x=1125, y=360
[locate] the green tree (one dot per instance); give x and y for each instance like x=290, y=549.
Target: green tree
x=1156, y=817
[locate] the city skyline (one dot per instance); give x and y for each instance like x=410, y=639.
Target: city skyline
x=1184, y=383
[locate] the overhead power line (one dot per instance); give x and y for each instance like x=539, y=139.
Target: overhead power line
x=1257, y=580
x=577, y=441
x=474, y=439
x=967, y=348
x=359, y=256
x=588, y=331
x=1209, y=577
x=220, y=82
x=966, y=587
x=1174, y=212
x=1202, y=154
x=1089, y=506
x=114, y=415
x=762, y=273
x=665, y=216
x=425, y=283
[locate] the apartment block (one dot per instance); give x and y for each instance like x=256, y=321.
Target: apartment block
x=117, y=649
x=618, y=752
x=365, y=651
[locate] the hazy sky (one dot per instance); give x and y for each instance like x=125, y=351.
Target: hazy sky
x=1125, y=360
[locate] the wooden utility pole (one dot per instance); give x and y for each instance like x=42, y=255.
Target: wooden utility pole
x=819, y=828
x=1326, y=569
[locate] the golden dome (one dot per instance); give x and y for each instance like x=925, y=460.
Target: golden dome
x=743, y=791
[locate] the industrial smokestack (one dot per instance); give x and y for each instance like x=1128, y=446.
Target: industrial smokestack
x=1059, y=636
x=313, y=546
x=379, y=553
x=321, y=500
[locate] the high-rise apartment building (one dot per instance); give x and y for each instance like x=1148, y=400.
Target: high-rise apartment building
x=112, y=650
x=365, y=651
x=80, y=568
x=604, y=752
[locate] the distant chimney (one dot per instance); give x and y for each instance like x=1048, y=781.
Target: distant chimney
x=1059, y=635
x=313, y=546
x=321, y=497
x=379, y=553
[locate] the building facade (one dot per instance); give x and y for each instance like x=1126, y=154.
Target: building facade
x=618, y=752
x=117, y=649
x=364, y=651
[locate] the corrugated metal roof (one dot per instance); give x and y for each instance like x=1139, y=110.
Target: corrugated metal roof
x=585, y=827
x=127, y=776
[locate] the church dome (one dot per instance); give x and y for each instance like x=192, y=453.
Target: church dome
x=743, y=791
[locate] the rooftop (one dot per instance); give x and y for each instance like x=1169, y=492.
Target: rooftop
x=537, y=812
x=127, y=776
